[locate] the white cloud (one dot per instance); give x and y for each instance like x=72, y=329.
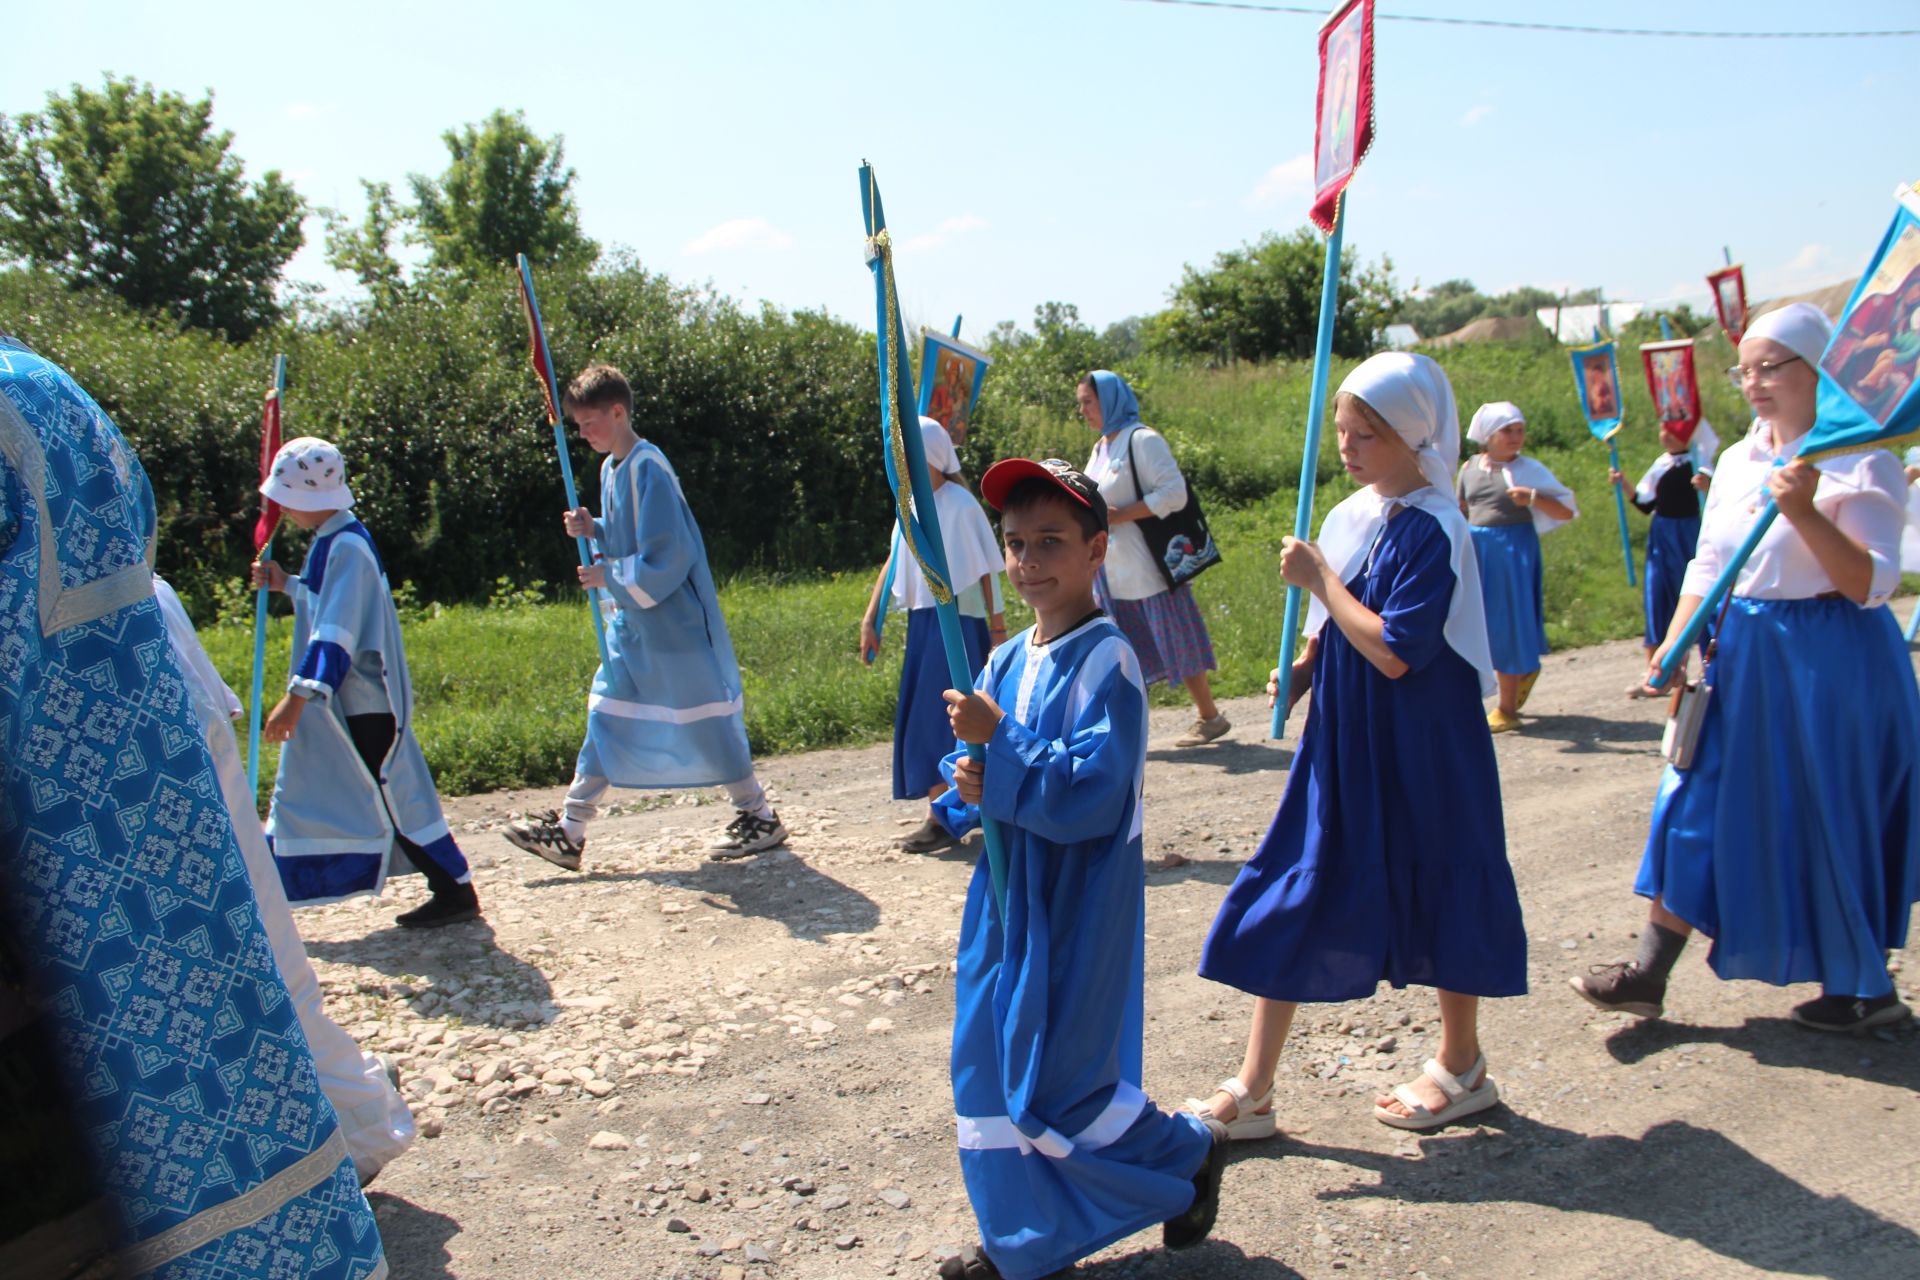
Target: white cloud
x=1288, y=178
x=1476, y=114
x=1813, y=266
x=739, y=233
x=946, y=231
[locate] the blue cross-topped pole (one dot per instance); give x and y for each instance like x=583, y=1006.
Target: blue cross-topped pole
x=899, y=424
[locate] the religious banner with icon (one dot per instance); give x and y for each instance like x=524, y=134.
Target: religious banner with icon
x=1875, y=354
x=1730, y=301
x=1674, y=385
x=951, y=373
x=1596, y=377
x=1343, y=122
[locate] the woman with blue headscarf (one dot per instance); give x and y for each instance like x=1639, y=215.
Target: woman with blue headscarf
x=1138, y=478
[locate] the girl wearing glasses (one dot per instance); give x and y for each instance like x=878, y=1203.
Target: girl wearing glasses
x=1793, y=838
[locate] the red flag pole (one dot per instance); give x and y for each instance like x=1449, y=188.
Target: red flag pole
x=263, y=531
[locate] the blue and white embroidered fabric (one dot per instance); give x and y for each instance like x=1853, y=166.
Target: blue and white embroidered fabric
x=192, y=1079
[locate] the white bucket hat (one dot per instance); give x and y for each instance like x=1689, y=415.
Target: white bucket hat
x=308, y=474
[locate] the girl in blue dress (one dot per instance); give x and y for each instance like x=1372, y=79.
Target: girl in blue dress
x=1792, y=839
x=1510, y=500
x=1670, y=492
x=1387, y=858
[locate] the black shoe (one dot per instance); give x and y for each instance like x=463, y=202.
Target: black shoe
x=1850, y=1013
x=438, y=911
x=747, y=835
x=1622, y=988
x=928, y=837
x=1191, y=1227
x=542, y=836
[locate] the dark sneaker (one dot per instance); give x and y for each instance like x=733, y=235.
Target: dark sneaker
x=1191, y=1227
x=747, y=835
x=437, y=911
x=1622, y=988
x=542, y=836
x=1850, y=1013
x=929, y=837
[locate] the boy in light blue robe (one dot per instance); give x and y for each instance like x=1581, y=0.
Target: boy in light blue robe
x=1061, y=1151
x=665, y=709
x=353, y=786
x=120, y=876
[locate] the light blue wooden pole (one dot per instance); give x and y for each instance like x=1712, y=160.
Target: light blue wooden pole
x=893, y=566
x=560, y=444
x=1913, y=623
x=1715, y=594
x=1310, y=452
x=891, y=344
x=260, y=611
x=1620, y=509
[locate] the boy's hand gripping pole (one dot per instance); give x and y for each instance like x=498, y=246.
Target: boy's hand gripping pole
x=903, y=450
x=543, y=368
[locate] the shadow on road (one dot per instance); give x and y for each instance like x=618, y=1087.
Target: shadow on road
x=460, y=952
x=1210, y=1260
x=1591, y=735
x=414, y=1238
x=1683, y=1181
x=1231, y=757
x=1778, y=1042
x=808, y=902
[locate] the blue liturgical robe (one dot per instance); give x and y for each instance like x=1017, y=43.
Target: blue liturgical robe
x=666, y=709
x=191, y=1080
x=333, y=823
x=1061, y=1151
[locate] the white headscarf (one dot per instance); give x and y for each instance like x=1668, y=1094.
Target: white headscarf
x=972, y=551
x=1800, y=327
x=941, y=455
x=1412, y=393
x=1489, y=418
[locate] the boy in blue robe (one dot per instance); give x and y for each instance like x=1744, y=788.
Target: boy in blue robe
x=353, y=785
x=665, y=709
x=1061, y=1152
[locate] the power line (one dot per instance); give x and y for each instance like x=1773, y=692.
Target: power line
x=1321, y=11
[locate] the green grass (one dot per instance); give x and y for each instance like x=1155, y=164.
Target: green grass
x=501, y=691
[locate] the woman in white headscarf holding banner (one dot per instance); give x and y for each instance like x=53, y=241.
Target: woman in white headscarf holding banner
x=1387, y=859
x=1791, y=837
x=1510, y=500
x=922, y=733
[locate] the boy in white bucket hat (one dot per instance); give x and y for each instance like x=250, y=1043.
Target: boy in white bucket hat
x=353, y=785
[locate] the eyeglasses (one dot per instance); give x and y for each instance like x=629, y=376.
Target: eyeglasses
x=1765, y=371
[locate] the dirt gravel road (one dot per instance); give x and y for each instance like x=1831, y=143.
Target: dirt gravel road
x=665, y=1067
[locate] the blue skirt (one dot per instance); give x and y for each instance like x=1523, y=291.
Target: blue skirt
x=1388, y=856
x=922, y=734
x=1670, y=544
x=1794, y=839
x=1509, y=556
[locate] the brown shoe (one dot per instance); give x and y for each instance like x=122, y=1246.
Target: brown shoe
x=928, y=837
x=1204, y=731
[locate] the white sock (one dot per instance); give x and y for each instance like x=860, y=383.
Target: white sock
x=749, y=796
x=575, y=829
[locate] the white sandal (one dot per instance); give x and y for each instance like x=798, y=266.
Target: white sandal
x=1466, y=1094
x=1252, y=1117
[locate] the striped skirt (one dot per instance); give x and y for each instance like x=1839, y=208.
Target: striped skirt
x=1166, y=631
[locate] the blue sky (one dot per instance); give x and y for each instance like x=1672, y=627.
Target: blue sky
x=1080, y=150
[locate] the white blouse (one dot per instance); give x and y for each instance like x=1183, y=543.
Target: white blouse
x=1862, y=493
x=1131, y=573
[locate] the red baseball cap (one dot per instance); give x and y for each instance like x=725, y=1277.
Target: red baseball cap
x=1002, y=476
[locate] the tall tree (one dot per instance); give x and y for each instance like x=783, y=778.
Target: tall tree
x=366, y=251
x=1263, y=300
x=505, y=191
x=131, y=190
